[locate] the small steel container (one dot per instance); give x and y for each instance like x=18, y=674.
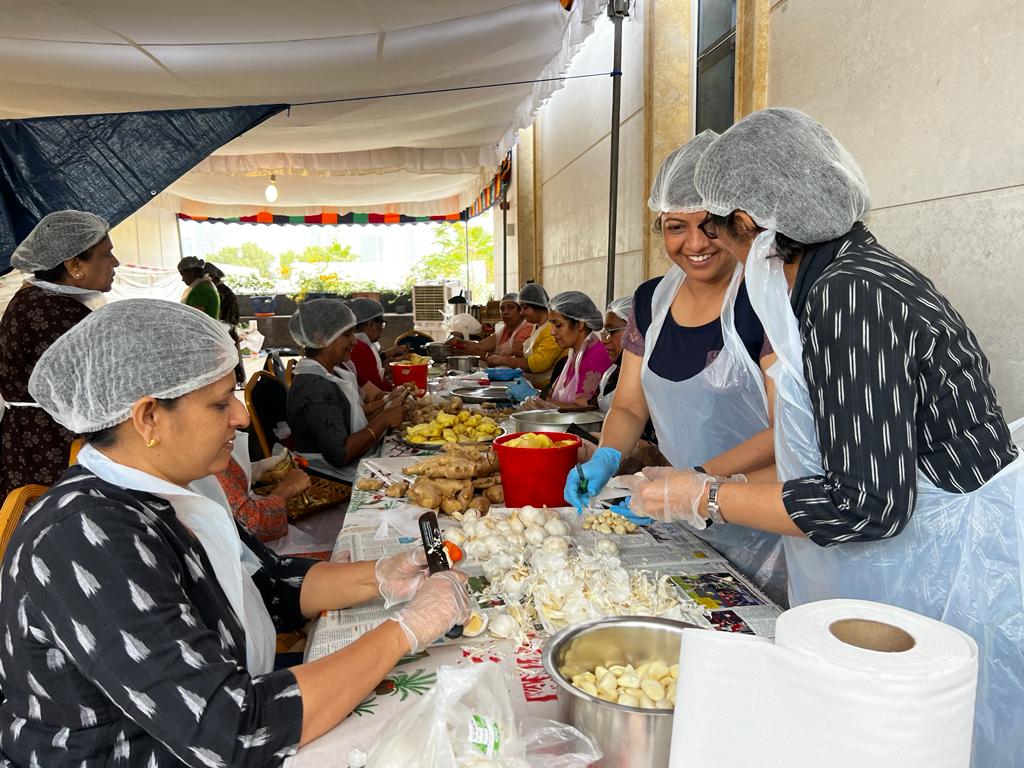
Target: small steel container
x=463, y=363
x=438, y=351
x=552, y=420
x=629, y=737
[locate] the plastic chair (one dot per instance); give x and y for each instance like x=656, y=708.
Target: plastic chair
x=266, y=397
x=14, y=507
x=76, y=446
x=415, y=340
x=276, y=366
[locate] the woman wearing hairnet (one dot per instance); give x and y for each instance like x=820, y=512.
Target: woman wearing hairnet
x=325, y=402
x=897, y=478
x=366, y=359
x=140, y=619
x=691, y=366
x=72, y=262
x=540, y=351
x=509, y=336
x=616, y=316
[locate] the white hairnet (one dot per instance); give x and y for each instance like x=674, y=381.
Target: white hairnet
x=673, y=188
x=621, y=307
x=365, y=309
x=533, y=294
x=510, y=296
x=91, y=376
x=57, y=237
x=318, y=322
x=788, y=173
x=576, y=305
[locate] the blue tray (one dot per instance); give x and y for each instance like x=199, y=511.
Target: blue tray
x=503, y=374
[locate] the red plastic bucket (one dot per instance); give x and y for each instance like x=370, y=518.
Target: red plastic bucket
x=535, y=476
x=404, y=372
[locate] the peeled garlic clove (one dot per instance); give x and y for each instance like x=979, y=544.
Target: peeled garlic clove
x=652, y=689
x=674, y=671
x=629, y=680
x=629, y=701
x=504, y=626
x=475, y=626
x=556, y=527
x=657, y=669
x=641, y=671
x=646, y=702
x=588, y=687
x=604, y=528
x=600, y=672
x=607, y=683
x=619, y=529
x=616, y=669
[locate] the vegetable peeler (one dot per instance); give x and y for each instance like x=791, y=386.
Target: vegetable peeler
x=437, y=561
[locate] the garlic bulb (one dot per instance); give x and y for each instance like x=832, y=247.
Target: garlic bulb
x=535, y=535
x=504, y=626
x=606, y=546
x=456, y=536
x=556, y=544
x=494, y=543
x=516, y=524
x=556, y=527
x=531, y=516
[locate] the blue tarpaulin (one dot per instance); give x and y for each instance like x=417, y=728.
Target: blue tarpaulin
x=108, y=164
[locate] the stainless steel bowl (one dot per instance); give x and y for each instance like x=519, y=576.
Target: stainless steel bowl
x=546, y=420
x=463, y=363
x=627, y=736
x=438, y=351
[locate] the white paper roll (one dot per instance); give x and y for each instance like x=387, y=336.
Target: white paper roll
x=811, y=700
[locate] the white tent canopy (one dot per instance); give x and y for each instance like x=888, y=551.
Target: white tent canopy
x=418, y=155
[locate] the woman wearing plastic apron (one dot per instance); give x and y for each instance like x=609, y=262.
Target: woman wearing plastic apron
x=718, y=402
x=540, y=351
x=900, y=479
x=325, y=403
x=615, y=317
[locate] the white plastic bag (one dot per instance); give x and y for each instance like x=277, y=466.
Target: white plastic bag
x=467, y=721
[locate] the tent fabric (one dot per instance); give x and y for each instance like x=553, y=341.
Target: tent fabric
x=416, y=155
x=108, y=164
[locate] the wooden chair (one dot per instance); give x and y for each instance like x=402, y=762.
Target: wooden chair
x=14, y=507
x=76, y=446
x=266, y=397
x=289, y=371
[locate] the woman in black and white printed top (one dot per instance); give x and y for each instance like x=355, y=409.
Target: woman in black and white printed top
x=138, y=620
x=900, y=482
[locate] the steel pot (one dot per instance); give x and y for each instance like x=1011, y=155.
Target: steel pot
x=438, y=351
x=464, y=363
x=552, y=420
x=628, y=736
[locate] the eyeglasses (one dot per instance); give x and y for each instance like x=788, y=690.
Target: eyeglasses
x=710, y=225
x=606, y=333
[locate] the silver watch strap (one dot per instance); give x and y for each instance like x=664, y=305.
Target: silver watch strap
x=714, y=511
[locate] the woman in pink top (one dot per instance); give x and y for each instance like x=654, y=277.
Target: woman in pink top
x=574, y=320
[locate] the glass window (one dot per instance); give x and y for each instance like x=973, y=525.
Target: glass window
x=716, y=64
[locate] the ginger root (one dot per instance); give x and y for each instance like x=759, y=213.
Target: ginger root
x=495, y=494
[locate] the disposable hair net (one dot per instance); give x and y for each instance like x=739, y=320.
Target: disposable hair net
x=366, y=309
x=58, y=237
x=533, y=294
x=510, y=296
x=788, y=173
x=91, y=376
x=191, y=262
x=576, y=305
x=673, y=188
x=318, y=322
x=621, y=307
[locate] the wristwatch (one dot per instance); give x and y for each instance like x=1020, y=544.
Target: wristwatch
x=714, y=511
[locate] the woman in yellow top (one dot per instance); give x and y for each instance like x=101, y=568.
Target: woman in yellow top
x=541, y=351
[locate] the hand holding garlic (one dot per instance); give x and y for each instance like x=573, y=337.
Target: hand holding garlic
x=440, y=604
x=400, y=576
x=668, y=494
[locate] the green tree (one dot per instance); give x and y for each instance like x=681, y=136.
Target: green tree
x=448, y=259
x=318, y=254
x=247, y=255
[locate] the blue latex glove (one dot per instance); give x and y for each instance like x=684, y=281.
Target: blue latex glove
x=597, y=472
x=520, y=390
x=624, y=510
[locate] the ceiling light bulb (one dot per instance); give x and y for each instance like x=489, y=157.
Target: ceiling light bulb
x=271, y=191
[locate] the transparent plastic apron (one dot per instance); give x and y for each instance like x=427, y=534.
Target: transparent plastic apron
x=604, y=401
x=347, y=383
x=505, y=347
x=957, y=560
x=567, y=387
x=706, y=415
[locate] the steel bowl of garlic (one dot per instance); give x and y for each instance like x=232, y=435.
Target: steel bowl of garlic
x=617, y=684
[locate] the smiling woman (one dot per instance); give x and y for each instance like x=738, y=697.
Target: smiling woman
x=132, y=600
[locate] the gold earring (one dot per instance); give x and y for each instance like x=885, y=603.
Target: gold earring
x=151, y=442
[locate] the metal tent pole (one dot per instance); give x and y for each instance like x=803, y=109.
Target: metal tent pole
x=504, y=243
x=617, y=11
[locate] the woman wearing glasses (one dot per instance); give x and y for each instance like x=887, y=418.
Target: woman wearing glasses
x=615, y=318
x=690, y=364
x=897, y=479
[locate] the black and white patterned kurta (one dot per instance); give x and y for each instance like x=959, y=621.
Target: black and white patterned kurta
x=897, y=382
x=119, y=648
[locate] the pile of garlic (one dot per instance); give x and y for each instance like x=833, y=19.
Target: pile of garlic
x=608, y=522
x=650, y=686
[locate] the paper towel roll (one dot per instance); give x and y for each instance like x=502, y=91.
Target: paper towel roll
x=816, y=698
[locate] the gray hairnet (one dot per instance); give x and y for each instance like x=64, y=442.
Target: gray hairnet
x=673, y=188
x=576, y=305
x=191, y=262
x=510, y=296
x=318, y=322
x=90, y=377
x=788, y=173
x=533, y=294
x=621, y=307
x=365, y=309
x=57, y=237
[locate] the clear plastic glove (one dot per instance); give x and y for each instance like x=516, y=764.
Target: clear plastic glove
x=520, y=390
x=401, y=575
x=665, y=494
x=441, y=603
x=596, y=474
